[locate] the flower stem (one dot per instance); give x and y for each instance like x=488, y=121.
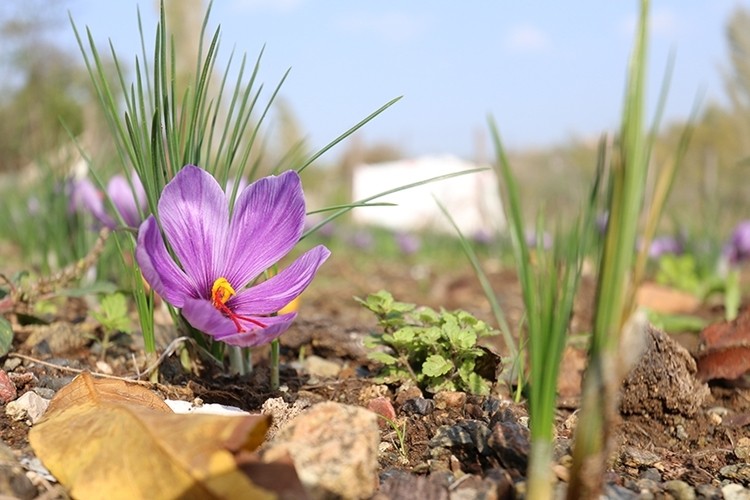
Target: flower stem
x=274, y=364
x=237, y=364
x=540, y=481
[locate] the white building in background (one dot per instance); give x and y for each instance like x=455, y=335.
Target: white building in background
x=473, y=200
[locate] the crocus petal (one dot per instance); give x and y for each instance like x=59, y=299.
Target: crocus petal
x=271, y=295
x=158, y=267
x=127, y=201
x=203, y=316
x=194, y=214
x=86, y=196
x=275, y=326
x=267, y=222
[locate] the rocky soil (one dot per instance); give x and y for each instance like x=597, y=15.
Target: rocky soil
x=679, y=437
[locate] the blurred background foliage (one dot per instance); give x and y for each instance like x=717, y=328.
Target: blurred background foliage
x=48, y=108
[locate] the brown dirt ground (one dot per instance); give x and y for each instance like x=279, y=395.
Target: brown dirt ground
x=693, y=449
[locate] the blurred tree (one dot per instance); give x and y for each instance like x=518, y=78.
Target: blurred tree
x=42, y=87
x=737, y=79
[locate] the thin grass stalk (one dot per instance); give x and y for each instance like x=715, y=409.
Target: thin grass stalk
x=485, y=284
x=614, y=306
x=549, y=287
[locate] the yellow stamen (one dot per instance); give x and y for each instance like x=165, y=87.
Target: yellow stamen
x=221, y=291
x=293, y=306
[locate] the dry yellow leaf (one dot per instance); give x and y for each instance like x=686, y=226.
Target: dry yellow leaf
x=112, y=439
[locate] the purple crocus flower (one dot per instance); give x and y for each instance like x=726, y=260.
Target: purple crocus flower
x=83, y=195
x=128, y=202
x=665, y=245
x=738, y=247
x=222, y=254
x=408, y=243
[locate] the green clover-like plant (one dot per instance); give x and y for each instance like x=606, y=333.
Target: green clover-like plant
x=113, y=316
x=435, y=349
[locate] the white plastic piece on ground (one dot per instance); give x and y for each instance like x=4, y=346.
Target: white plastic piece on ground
x=178, y=406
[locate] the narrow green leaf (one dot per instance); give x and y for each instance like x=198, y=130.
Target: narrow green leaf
x=6, y=336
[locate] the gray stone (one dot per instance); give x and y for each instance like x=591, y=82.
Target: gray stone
x=708, y=492
x=734, y=491
x=680, y=490
x=736, y=472
x=320, y=368
x=29, y=406
x=334, y=448
x=419, y=406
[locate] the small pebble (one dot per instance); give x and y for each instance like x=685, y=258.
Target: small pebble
x=742, y=449
x=44, y=392
x=11, y=364
x=383, y=407
x=680, y=432
x=30, y=405
x=321, y=368
x=8, y=390
x=407, y=392
x=449, y=399
x=651, y=473
x=104, y=367
x=736, y=472
x=644, y=485
x=680, y=490
x=419, y=406
x=708, y=492
x=734, y=491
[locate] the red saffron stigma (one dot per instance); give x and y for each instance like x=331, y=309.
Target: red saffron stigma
x=221, y=292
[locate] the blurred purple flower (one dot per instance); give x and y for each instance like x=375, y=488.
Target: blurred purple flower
x=326, y=231
x=407, y=243
x=221, y=255
x=738, y=247
x=362, y=239
x=602, y=221
x=665, y=245
x=33, y=205
x=129, y=203
x=483, y=237
x=83, y=195
x=531, y=240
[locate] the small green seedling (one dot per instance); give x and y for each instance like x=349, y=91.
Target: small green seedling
x=400, y=435
x=437, y=350
x=113, y=316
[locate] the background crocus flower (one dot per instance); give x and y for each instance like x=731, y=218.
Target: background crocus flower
x=221, y=255
x=738, y=248
x=83, y=195
x=663, y=245
x=129, y=202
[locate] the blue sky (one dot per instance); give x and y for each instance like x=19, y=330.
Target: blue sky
x=547, y=71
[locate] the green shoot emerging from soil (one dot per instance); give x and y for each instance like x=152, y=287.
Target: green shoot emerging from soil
x=436, y=350
x=113, y=316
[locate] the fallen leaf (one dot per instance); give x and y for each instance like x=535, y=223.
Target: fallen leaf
x=724, y=350
x=104, y=438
